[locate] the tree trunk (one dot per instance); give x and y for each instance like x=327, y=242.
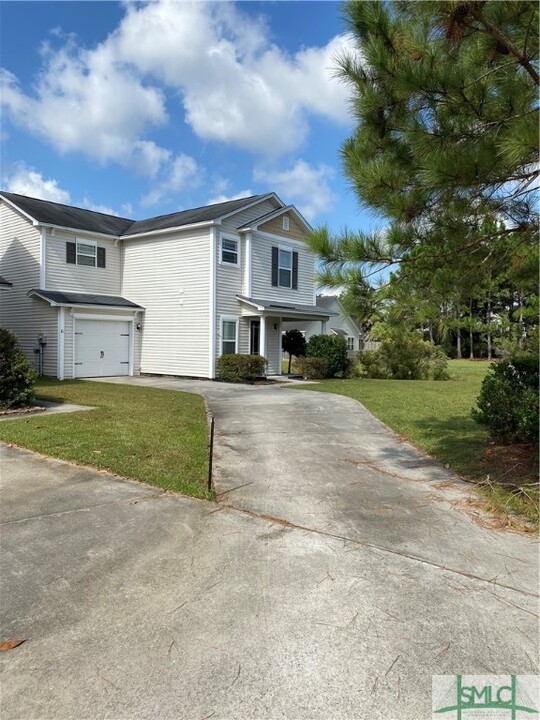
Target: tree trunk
x=459, y=355
x=471, y=348
x=489, y=350
x=430, y=331
x=290, y=361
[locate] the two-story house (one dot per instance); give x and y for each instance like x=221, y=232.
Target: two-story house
x=99, y=295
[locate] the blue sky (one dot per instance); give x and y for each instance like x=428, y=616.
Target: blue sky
x=144, y=109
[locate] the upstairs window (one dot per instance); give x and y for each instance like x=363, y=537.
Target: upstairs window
x=85, y=252
x=284, y=268
x=229, y=251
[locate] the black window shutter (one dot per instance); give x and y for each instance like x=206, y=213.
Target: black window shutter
x=275, y=266
x=295, y=271
x=101, y=257
x=71, y=253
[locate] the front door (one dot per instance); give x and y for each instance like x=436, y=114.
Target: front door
x=254, y=337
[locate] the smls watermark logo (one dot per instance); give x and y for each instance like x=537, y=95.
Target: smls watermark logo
x=486, y=697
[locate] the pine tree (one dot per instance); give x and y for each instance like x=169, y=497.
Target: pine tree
x=445, y=98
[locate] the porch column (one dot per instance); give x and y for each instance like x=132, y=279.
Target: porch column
x=323, y=327
x=262, y=339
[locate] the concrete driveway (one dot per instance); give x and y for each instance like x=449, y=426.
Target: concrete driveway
x=333, y=585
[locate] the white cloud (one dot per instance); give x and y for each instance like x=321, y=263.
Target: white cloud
x=236, y=86
x=307, y=186
x=226, y=198
x=27, y=181
x=182, y=172
x=97, y=207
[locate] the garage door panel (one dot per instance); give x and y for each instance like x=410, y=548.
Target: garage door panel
x=101, y=348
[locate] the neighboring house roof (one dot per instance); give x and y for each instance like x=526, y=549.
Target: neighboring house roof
x=4, y=283
x=284, y=309
x=56, y=297
x=45, y=212
x=340, y=332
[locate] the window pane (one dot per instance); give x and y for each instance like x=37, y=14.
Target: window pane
x=284, y=278
x=229, y=251
x=229, y=330
x=229, y=348
x=285, y=259
x=86, y=260
x=86, y=249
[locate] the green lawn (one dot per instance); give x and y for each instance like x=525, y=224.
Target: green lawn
x=436, y=417
x=157, y=436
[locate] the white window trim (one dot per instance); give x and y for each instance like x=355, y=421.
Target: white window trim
x=289, y=250
x=232, y=239
x=229, y=318
x=81, y=241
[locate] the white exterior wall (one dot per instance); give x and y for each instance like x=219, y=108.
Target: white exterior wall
x=61, y=275
x=169, y=275
x=261, y=283
x=20, y=244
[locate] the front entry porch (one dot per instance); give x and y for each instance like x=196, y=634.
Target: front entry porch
x=262, y=325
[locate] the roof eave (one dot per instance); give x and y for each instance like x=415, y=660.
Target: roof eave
x=95, y=306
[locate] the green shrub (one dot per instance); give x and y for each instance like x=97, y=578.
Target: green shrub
x=17, y=376
x=508, y=400
x=239, y=368
x=333, y=349
x=403, y=356
x=368, y=365
x=312, y=368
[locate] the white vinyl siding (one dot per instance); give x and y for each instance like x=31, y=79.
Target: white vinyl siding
x=61, y=275
x=229, y=284
x=170, y=277
x=19, y=264
x=261, y=281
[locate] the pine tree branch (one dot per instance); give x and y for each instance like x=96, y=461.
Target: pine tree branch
x=492, y=30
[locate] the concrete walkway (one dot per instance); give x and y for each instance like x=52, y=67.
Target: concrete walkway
x=137, y=603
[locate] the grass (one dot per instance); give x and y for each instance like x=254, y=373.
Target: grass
x=436, y=417
x=156, y=436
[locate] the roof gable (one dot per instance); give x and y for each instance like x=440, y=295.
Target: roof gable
x=290, y=209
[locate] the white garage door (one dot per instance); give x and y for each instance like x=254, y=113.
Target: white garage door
x=101, y=348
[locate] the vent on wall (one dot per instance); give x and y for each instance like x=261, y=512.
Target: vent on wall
x=285, y=222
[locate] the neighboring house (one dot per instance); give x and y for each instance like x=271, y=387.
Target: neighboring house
x=102, y=295
x=340, y=323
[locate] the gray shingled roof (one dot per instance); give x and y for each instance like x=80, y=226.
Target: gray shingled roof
x=51, y=213
x=74, y=298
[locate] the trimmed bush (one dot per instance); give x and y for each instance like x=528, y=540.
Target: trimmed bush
x=312, y=368
x=333, y=349
x=403, y=356
x=17, y=376
x=239, y=368
x=508, y=400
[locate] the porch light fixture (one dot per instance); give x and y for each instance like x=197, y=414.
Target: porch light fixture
x=275, y=326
